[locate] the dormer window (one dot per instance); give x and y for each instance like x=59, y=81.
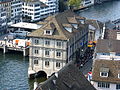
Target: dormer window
x=75, y=26
x=48, y=32
x=119, y=75
x=104, y=72
x=69, y=29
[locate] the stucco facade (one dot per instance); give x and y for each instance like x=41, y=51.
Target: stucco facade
x=57, y=42
x=51, y=58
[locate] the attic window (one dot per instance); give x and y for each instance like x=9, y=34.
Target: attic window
x=104, y=72
x=118, y=35
x=75, y=26
x=119, y=76
x=47, y=32
x=68, y=29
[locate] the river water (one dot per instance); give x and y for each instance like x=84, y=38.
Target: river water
x=103, y=12
x=14, y=67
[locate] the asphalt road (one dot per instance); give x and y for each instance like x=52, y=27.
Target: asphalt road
x=87, y=67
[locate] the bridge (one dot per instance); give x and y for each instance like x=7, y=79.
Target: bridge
x=7, y=49
x=8, y=45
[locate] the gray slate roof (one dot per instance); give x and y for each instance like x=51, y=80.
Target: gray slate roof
x=111, y=34
x=58, y=21
x=110, y=66
x=108, y=45
x=69, y=78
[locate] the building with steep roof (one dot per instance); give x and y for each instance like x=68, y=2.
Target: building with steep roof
x=107, y=49
x=65, y=79
x=62, y=38
x=106, y=74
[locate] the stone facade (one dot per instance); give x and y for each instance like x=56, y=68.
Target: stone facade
x=57, y=42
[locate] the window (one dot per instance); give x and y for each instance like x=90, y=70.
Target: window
x=58, y=44
x=36, y=51
x=118, y=75
x=104, y=74
x=37, y=5
x=105, y=54
x=68, y=29
x=47, y=52
x=57, y=64
x=118, y=86
x=46, y=63
x=37, y=13
x=103, y=85
x=117, y=54
x=47, y=42
x=75, y=26
x=58, y=53
x=36, y=41
x=47, y=32
x=35, y=61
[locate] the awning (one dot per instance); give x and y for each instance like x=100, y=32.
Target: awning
x=90, y=45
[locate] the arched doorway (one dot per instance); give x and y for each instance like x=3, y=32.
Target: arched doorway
x=41, y=74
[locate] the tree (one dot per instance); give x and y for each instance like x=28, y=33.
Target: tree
x=74, y=3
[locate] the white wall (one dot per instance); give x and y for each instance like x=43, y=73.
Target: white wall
x=112, y=86
x=52, y=58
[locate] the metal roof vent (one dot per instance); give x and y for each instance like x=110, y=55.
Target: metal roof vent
x=56, y=75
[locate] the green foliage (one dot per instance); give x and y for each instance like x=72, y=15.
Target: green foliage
x=74, y=3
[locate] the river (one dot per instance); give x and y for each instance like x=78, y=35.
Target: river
x=14, y=67
x=13, y=72
x=103, y=12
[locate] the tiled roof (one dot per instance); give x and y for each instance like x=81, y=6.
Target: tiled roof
x=111, y=34
x=72, y=19
x=112, y=67
x=58, y=21
x=69, y=78
x=108, y=45
x=95, y=23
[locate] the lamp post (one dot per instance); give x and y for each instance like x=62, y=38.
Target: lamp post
x=5, y=39
x=4, y=46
